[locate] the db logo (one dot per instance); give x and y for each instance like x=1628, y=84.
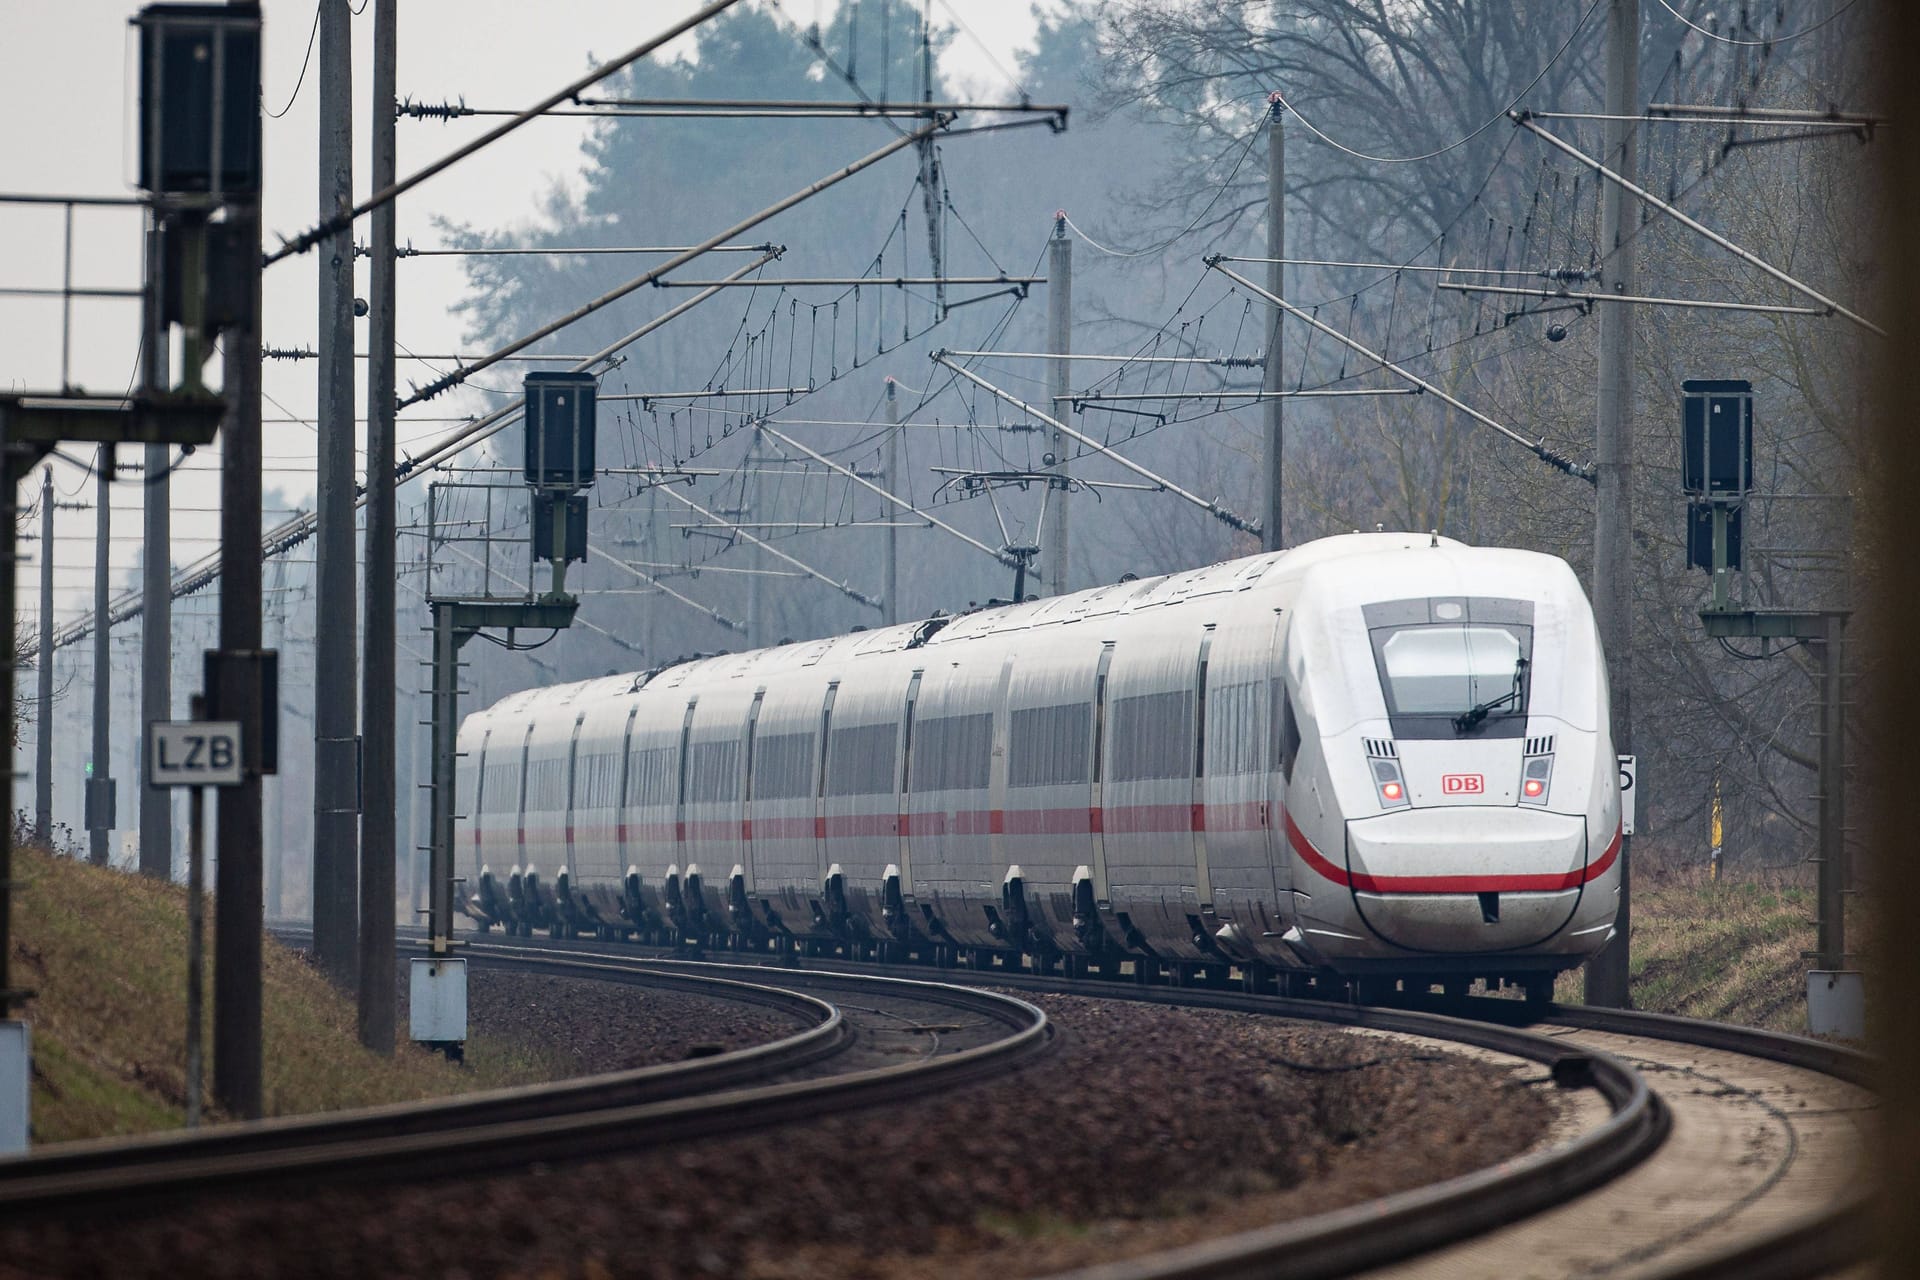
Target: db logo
x=1462, y=784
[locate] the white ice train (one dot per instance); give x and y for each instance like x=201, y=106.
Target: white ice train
x=1373, y=758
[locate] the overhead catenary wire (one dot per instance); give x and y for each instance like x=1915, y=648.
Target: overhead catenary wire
x=1693, y=224
x=1502, y=114
x=331, y=226
x=678, y=260
x=293, y=532
x=1213, y=508
x=722, y=522
x=1767, y=41
x=1537, y=447
x=304, y=61
x=1253, y=137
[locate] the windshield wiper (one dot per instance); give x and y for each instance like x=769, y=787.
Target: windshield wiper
x=1469, y=720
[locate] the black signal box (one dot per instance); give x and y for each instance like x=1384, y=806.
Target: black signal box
x=1700, y=536
x=561, y=427
x=199, y=98
x=575, y=532
x=1716, y=436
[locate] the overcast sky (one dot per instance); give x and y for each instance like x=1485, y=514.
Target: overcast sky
x=66, y=90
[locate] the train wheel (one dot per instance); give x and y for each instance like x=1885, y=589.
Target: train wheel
x=1539, y=990
x=1076, y=967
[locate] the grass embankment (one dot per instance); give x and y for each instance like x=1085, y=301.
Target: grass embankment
x=106, y=953
x=1729, y=950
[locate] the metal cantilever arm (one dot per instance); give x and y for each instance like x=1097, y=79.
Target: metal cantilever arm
x=901, y=503
x=744, y=536
x=1159, y=481
x=1536, y=447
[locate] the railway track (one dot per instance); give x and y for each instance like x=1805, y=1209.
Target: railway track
x=1724, y=1152
x=844, y=1057
x=1703, y=1150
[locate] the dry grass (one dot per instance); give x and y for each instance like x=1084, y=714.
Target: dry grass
x=106, y=953
x=1729, y=950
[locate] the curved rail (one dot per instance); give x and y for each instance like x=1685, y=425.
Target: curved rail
x=1401, y=1227
x=1818, y=1245
x=504, y=1128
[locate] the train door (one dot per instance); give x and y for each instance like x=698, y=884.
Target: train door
x=949, y=797
x=1097, y=841
x=782, y=802
x=473, y=804
x=520, y=800
x=1202, y=870
x=570, y=796
x=1282, y=740
x=1147, y=788
x=821, y=854
x=1237, y=782
x=1049, y=829
x=906, y=798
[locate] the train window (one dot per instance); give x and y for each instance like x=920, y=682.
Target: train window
x=1453, y=666
x=546, y=785
x=1235, y=729
x=713, y=771
x=860, y=760
x=596, y=780
x=1152, y=735
x=1454, y=678
x=1049, y=746
x=1286, y=741
x=501, y=786
x=783, y=766
x=653, y=777
x=953, y=753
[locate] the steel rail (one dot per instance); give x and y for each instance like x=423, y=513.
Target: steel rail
x=1371, y=1235
x=1817, y=1245
x=825, y=1033
x=1376, y=1234
x=374, y=1146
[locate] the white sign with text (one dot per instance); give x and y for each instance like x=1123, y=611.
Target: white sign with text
x=193, y=753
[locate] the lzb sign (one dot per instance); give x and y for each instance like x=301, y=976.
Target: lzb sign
x=193, y=753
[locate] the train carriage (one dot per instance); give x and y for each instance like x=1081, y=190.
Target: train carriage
x=1375, y=755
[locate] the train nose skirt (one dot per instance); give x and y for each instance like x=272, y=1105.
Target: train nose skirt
x=1467, y=879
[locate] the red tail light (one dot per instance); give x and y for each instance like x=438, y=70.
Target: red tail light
x=1387, y=781
x=1536, y=776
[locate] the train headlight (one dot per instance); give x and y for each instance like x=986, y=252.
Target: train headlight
x=1387, y=782
x=1536, y=779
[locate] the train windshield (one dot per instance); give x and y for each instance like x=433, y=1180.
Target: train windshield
x=1452, y=673
x=1448, y=670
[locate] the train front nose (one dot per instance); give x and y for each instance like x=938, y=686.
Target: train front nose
x=1467, y=879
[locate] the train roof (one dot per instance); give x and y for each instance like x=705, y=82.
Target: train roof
x=1127, y=596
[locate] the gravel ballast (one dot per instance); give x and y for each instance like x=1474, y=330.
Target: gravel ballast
x=589, y=1027
x=1142, y=1129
